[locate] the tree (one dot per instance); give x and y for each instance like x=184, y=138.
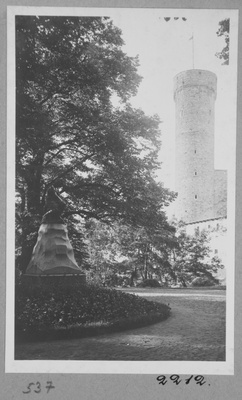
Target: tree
x=132, y=252
x=104, y=249
x=149, y=251
x=192, y=258
x=224, y=31
x=100, y=159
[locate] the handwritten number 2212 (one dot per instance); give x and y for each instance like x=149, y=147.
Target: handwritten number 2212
x=199, y=379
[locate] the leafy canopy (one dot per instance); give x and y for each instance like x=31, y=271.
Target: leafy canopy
x=192, y=258
x=102, y=159
x=120, y=249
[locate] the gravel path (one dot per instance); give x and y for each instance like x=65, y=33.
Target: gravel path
x=194, y=331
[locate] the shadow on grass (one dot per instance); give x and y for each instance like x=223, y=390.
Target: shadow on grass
x=59, y=312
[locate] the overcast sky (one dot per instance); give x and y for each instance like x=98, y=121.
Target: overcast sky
x=164, y=50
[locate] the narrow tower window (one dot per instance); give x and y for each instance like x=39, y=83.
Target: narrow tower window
x=195, y=173
x=195, y=151
x=195, y=196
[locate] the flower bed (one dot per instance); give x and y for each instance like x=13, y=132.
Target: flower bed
x=59, y=312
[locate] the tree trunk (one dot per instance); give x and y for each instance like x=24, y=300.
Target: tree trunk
x=133, y=275
x=183, y=282
x=145, y=262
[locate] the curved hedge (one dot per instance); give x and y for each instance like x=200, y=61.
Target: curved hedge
x=43, y=313
x=152, y=283
x=204, y=281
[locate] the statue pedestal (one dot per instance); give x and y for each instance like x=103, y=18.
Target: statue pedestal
x=53, y=256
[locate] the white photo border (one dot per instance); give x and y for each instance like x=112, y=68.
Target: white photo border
x=104, y=367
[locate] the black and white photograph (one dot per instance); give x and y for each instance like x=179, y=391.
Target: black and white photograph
x=121, y=172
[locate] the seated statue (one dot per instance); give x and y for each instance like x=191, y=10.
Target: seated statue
x=54, y=207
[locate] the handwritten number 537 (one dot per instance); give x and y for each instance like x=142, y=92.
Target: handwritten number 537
x=36, y=387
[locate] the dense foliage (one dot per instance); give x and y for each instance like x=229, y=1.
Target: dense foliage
x=42, y=312
x=128, y=251
x=122, y=255
x=204, y=281
x=224, y=31
x=150, y=283
x=101, y=159
x=192, y=258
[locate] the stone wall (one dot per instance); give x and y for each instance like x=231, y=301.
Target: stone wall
x=220, y=193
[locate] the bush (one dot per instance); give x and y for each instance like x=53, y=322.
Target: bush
x=55, y=311
x=204, y=281
x=149, y=283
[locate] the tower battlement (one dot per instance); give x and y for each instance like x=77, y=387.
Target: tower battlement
x=195, y=77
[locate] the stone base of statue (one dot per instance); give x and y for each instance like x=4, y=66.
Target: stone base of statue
x=53, y=258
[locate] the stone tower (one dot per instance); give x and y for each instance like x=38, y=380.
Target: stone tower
x=194, y=95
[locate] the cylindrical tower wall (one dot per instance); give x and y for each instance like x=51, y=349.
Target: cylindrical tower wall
x=195, y=94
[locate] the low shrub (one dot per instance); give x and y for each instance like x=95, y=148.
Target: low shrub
x=204, y=281
x=57, y=312
x=149, y=283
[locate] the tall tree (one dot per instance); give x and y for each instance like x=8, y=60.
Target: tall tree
x=192, y=259
x=149, y=251
x=101, y=159
x=123, y=249
x=103, y=244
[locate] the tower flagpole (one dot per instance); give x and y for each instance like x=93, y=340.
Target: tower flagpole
x=192, y=39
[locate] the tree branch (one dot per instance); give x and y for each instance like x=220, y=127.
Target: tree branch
x=69, y=169
x=54, y=155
